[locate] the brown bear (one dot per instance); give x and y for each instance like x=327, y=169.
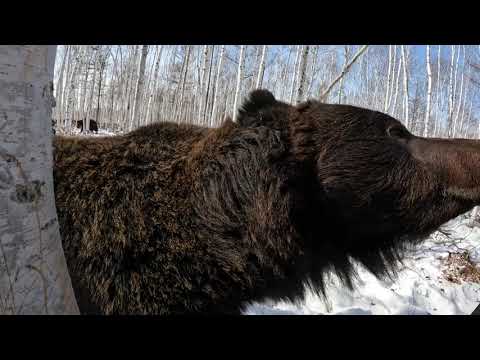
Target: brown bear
x=177, y=219
x=93, y=126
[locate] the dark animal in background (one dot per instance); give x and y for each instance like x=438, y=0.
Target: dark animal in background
x=93, y=125
x=176, y=218
x=54, y=126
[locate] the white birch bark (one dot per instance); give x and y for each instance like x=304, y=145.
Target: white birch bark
x=429, y=93
x=437, y=93
x=208, y=85
x=203, y=80
x=295, y=73
x=459, y=103
x=340, y=88
x=217, y=82
x=405, y=84
x=34, y=277
x=261, y=68
x=139, y=87
x=313, y=69
x=59, y=88
x=183, y=79
x=154, y=86
x=450, y=94
x=395, y=96
x=385, y=108
x=83, y=96
x=302, y=75
x=238, y=86
x=86, y=119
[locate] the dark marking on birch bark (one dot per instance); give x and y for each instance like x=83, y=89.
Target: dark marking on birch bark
x=28, y=193
x=6, y=178
x=48, y=224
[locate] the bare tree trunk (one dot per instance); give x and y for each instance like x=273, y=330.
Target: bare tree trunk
x=385, y=107
x=397, y=80
x=179, y=106
x=295, y=73
x=429, y=93
x=261, y=68
x=71, y=101
x=437, y=100
x=301, y=74
x=86, y=119
x=207, y=93
x=139, y=87
x=203, y=80
x=313, y=69
x=154, y=86
x=450, y=94
x=59, y=87
x=241, y=59
x=340, y=88
x=34, y=277
x=102, y=69
x=457, y=113
x=128, y=87
x=405, y=83
x=217, y=82
x=65, y=87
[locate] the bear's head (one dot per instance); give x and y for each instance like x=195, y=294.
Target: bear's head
x=377, y=186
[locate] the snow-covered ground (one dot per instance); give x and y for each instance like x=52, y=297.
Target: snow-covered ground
x=422, y=286
x=430, y=281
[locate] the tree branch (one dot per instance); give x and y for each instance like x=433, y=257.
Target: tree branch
x=344, y=71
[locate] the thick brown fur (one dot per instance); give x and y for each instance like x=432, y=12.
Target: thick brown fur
x=175, y=218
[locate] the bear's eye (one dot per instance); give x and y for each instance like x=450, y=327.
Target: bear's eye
x=398, y=132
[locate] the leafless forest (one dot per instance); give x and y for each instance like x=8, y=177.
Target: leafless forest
x=433, y=89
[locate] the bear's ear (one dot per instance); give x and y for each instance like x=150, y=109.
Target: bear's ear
x=256, y=109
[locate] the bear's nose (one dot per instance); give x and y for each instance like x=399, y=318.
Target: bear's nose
x=457, y=161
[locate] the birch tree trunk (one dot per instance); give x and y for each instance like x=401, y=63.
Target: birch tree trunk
x=154, y=86
x=429, y=93
x=385, y=108
x=178, y=110
x=139, y=87
x=457, y=113
x=340, y=88
x=86, y=119
x=99, y=94
x=59, y=88
x=61, y=119
x=217, y=82
x=313, y=69
x=261, y=68
x=83, y=96
x=203, y=80
x=295, y=73
x=33, y=272
x=70, y=111
x=405, y=83
x=241, y=59
x=437, y=92
x=395, y=96
x=450, y=94
x=207, y=93
x=301, y=74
